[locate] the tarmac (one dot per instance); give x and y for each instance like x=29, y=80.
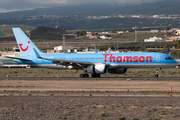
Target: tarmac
x=90, y=78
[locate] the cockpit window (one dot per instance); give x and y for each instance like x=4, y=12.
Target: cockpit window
x=169, y=58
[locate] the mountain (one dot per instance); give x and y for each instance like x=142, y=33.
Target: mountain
x=48, y=33
x=162, y=7
x=166, y=7
x=61, y=11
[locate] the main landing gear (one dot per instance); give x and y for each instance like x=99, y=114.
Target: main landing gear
x=85, y=75
x=96, y=75
x=157, y=72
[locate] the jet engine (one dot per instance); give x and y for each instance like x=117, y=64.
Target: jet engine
x=97, y=69
x=118, y=71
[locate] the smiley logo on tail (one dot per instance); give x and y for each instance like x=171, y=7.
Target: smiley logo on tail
x=25, y=48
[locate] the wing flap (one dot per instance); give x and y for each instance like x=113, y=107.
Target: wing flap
x=78, y=64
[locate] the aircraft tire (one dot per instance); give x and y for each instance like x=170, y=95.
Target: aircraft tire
x=96, y=75
x=86, y=75
x=156, y=75
x=82, y=75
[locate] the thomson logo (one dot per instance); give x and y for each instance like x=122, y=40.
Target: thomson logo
x=131, y=59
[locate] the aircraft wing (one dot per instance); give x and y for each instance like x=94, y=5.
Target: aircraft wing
x=75, y=64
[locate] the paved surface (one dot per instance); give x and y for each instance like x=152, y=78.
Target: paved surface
x=90, y=78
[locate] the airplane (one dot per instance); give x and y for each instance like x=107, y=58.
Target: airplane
x=92, y=63
x=1, y=64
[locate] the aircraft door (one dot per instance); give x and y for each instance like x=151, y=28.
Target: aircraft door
x=158, y=59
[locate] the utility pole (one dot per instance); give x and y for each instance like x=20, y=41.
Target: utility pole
x=135, y=33
x=117, y=45
x=63, y=39
x=165, y=34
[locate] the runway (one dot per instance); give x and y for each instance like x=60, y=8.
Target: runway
x=90, y=78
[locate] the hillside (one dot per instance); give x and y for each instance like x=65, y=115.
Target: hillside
x=48, y=33
x=6, y=30
x=164, y=7
x=61, y=11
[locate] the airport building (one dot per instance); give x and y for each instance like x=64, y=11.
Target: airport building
x=153, y=39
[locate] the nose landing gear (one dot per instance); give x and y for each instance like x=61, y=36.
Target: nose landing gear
x=157, y=72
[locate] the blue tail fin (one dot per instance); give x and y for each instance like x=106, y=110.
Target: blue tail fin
x=26, y=46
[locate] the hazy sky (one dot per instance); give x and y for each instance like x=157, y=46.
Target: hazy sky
x=13, y=5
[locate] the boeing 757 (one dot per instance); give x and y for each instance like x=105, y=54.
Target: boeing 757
x=92, y=63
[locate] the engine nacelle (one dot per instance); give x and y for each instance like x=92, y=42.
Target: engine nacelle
x=97, y=69
x=118, y=71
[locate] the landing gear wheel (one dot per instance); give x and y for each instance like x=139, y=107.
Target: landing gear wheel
x=82, y=75
x=156, y=75
x=86, y=75
x=96, y=75
x=157, y=72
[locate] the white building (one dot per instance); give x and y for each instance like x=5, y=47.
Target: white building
x=153, y=39
x=66, y=48
x=154, y=31
x=62, y=48
x=105, y=37
x=88, y=35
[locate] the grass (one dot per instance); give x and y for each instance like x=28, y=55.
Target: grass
x=43, y=72
x=121, y=118
x=103, y=114
x=7, y=30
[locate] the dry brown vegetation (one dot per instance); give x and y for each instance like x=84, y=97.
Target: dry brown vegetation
x=88, y=108
x=88, y=99
x=43, y=72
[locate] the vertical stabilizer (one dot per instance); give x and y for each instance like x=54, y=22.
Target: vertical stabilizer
x=26, y=46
